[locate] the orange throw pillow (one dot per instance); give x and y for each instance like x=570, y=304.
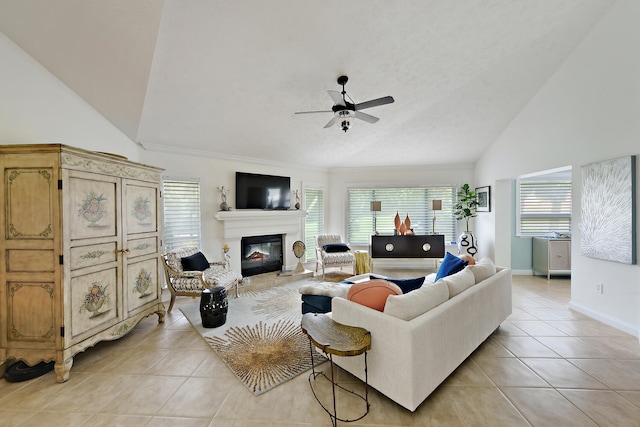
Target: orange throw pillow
x=469, y=258
x=373, y=293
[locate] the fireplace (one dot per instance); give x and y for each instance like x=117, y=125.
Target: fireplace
x=261, y=254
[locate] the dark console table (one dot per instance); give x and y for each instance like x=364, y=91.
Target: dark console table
x=428, y=246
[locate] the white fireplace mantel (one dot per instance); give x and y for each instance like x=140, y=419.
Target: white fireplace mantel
x=250, y=222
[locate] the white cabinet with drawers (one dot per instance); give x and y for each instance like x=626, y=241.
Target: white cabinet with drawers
x=552, y=256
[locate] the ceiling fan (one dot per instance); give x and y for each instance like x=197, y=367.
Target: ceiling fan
x=344, y=111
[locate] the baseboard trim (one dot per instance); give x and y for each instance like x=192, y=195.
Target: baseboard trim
x=623, y=326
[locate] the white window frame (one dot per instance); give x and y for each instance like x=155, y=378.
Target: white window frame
x=191, y=224
x=309, y=234
x=394, y=202
x=544, y=197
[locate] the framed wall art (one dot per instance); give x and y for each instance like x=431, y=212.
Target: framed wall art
x=608, y=209
x=484, y=199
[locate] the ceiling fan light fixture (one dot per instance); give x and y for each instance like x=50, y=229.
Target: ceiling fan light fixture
x=345, y=122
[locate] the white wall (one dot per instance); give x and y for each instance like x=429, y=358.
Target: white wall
x=36, y=108
x=588, y=111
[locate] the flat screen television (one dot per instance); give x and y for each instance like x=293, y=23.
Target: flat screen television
x=256, y=191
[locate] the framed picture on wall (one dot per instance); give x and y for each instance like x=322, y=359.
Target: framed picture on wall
x=484, y=199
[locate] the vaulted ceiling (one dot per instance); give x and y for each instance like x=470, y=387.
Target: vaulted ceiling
x=224, y=78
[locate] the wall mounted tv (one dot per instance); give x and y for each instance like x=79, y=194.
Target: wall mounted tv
x=256, y=191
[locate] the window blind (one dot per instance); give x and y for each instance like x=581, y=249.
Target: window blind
x=414, y=202
x=314, y=222
x=181, y=213
x=544, y=205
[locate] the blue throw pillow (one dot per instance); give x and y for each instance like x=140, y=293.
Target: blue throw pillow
x=407, y=285
x=451, y=264
x=195, y=262
x=336, y=247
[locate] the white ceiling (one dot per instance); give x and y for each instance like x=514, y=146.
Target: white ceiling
x=224, y=78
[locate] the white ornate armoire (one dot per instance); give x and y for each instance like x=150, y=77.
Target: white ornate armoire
x=79, y=251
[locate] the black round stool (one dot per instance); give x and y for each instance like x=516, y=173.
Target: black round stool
x=214, y=306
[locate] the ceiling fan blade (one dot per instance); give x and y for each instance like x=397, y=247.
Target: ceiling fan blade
x=311, y=112
x=375, y=102
x=366, y=117
x=331, y=122
x=337, y=97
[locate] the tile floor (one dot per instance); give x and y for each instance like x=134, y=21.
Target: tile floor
x=546, y=366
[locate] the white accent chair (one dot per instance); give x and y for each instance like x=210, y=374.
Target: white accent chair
x=192, y=283
x=332, y=259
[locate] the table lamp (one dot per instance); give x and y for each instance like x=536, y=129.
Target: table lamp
x=376, y=206
x=436, y=205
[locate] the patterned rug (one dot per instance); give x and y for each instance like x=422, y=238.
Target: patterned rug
x=336, y=276
x=261, y=341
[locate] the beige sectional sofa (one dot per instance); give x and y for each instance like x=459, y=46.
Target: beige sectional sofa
x=410, y=358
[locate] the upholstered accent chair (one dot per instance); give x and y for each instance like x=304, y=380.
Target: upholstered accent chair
x=191, y=282
x=331, y=251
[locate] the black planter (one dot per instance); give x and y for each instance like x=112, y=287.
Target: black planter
x=213, y=307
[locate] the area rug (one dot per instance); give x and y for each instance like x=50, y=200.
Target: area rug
x=261, y=341
x=335, y=276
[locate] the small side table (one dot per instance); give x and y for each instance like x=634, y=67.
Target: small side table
x=334, y=338
x=362, y=262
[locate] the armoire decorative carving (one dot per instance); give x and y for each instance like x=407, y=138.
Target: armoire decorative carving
x=79, y=251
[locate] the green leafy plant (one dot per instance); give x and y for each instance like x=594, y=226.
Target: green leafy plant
x=466, y=205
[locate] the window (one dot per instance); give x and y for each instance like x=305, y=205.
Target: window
x=544, y=203
x=314, y=222
x=181, y=213
x=412, y=201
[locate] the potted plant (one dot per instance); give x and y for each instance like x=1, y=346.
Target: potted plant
x=466, y=208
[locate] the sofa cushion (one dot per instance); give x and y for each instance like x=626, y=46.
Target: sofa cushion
x=195, y=262
x=373, y=293
x=407, y=285
x=450, y=264
x=421, y=300
x=483, y=269
x=335, y=247
x=459, y=282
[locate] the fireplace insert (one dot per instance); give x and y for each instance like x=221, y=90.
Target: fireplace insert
x=261, y=254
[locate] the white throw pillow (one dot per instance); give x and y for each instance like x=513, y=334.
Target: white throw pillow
x=483, y=269
x=459, y=282
x=413, y=304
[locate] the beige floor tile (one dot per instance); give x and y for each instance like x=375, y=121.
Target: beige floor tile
x=484, y=406
x=492, y=348
x=61, y=419
x=177, y=422
x=468, y=374
x=545, y=313
x=526, y=347
x=519, y=314
x=14, y=418
x=561, y=373
x=92, y=394
x=606, y=408
x=509, y=372
x=620, y=347
x=538, y=328
x=109, y=420
x=615, y=374
x=585, y=328
x=508, y=328
x=571, y=347
x=196, y=398
x=179, y=362
x=546, y=407
x=33, y=395
x=145, y=397
x=631, y=396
